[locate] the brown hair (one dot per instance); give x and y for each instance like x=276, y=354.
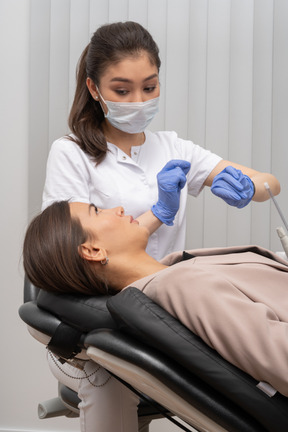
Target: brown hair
x=50, y=254
x=110, y=44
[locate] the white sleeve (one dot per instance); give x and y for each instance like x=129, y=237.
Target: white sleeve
x=202, y=163
x=67, y=174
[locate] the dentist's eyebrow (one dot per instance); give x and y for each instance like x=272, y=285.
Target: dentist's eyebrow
x=130, y=81
x=155, y=75
x=121, y=80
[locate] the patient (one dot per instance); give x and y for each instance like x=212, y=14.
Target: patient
x=235, y=299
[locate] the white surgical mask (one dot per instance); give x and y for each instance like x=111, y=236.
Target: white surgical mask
x=131, y=117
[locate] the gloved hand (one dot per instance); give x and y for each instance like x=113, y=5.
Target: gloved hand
x=171, y=179
x=234, y=187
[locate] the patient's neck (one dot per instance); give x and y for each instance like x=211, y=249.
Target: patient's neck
x=124, y=272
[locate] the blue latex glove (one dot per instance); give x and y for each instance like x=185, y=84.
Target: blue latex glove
x=234, y=187
x=171, y=179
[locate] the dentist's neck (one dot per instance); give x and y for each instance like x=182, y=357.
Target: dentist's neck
x=122, y=140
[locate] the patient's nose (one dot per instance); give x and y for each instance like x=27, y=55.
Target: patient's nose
x=119, y=211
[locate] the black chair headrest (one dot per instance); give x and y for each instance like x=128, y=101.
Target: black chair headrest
x=30, y=291
x=82, y=312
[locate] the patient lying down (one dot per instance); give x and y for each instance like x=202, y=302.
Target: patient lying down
x=235, y=299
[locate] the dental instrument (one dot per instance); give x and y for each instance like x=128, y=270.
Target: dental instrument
x=284, y=239
x=280, y=231
x=276, y=205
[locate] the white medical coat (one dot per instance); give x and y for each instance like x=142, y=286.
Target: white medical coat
x=128, y=181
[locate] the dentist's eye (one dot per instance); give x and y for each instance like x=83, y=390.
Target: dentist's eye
x=150, y=89
x=121, y=92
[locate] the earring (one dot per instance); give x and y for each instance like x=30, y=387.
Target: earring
x=105, y=261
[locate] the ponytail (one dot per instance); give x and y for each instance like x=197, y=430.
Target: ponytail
x=86, y=116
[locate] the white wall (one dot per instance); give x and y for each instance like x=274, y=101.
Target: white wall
x=23, y=375
x=224, y=85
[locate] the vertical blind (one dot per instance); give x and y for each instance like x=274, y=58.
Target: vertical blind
x=224, y=85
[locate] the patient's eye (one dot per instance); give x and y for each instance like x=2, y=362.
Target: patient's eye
x=95, y=208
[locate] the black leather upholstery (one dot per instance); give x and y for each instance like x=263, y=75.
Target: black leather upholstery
x=132, y=327
x=67, y=319
x=83, y=312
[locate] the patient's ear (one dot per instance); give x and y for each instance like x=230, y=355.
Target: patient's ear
x=90, y=253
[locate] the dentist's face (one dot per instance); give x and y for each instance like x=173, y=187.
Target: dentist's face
x=134, y=79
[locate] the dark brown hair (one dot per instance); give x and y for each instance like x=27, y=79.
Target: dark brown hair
x=50, y=254
x=109, y=45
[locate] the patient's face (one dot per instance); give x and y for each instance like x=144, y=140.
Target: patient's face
x=111, y=228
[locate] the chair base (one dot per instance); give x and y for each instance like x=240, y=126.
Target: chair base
x=55, y=408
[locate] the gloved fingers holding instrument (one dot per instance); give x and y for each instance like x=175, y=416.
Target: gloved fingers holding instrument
x=234, y=187
x=171, y=179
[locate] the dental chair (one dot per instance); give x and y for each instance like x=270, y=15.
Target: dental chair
x=143, y=346
x=67, y=341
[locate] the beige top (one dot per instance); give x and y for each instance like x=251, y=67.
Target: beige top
x=236, y=300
